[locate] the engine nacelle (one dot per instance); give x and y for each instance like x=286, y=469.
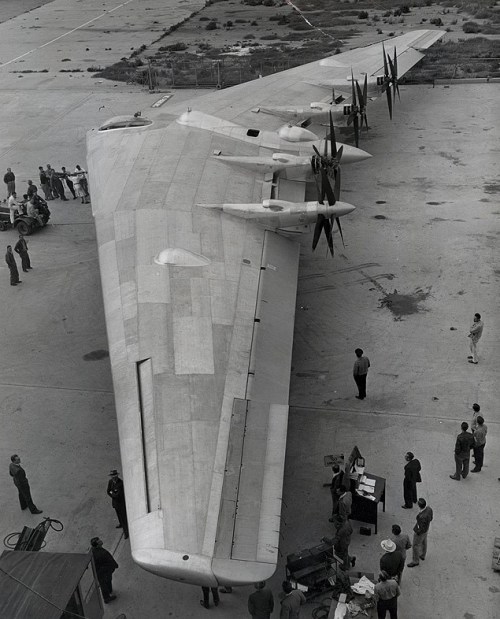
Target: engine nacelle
x=292, y=133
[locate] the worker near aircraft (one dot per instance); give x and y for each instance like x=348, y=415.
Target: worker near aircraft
x=117, y=493
x=360, y=372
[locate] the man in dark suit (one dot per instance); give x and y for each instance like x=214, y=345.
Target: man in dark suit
x=261, y=602
x=463, y=445
x=105, y=565
x=11, y=263
x=21, y=248
x=117, y=493
x=412, y=477
x=337, y=481
x=420, y=530
x=21, y=483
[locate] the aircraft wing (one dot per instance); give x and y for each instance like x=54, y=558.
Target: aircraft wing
x=199, y=309
x=369, y=60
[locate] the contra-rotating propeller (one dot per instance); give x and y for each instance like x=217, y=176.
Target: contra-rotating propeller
x=358, y=106
x=390, y=78
x=323, y=222
x=329, y=162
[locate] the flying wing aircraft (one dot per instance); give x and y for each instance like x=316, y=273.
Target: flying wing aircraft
x=197, y=213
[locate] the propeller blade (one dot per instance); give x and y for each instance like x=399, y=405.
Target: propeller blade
x=336, y=186
x=333, y=142
x=339, y=155
x=316, y=151
x=327, y=188
x=317, y=230
x=327, y=226
x=340, y=230
x=386, y=68
x=360, y=98
x=365, y=91
x=389, y=100
x=354, y=102
x=356, y=131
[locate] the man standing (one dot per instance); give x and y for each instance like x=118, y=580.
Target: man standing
x=21, y=247
x=420, y=531
x=105, y=565
x=392, y=560
x=18, y=475
x=32, y=189
x=479, y=444
x=465, y=442
x=476, y=331
x=205, y=602
x=291, y=603
x=117, y=493
x=69, y=182
x=344, y=506
x=261, y=602
x=337, y=480
x=82, y=178
x=11, y=263
x=386, y=596
x=475, y=412
x=341, y=543
x=45, y=184
x=359, y=373
x=10, y=180
x=402, y=540
x=412, y=477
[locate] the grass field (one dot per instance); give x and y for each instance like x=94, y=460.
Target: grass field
x=231, y=41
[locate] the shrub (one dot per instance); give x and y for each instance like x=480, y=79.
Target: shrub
x=363, y=15
x=436, y=21
x=397, y=12
x=204, y=18
x=248, y=36
x=471, y=27
x=405, y=9
x=211, y=26
x=387, y=14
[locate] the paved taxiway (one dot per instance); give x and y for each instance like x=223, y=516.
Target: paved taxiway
x=434, y=176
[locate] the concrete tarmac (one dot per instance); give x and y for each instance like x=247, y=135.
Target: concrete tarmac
x=419, y=261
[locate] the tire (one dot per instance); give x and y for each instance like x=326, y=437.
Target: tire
x=3, y=226
x=24, y=228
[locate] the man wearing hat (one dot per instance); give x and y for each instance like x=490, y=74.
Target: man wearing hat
x=392, y=561
x=117, y=494
x=105, y=565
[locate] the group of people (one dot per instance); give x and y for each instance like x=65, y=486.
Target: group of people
x=104, y=562
x=53, y=183
x=76, y=182
x=392, y=562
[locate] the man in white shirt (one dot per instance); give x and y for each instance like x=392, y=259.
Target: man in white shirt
x=476, y=331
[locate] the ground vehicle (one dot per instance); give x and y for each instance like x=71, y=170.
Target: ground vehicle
x=25, y=225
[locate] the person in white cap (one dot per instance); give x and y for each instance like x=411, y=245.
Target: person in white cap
x=392, y=561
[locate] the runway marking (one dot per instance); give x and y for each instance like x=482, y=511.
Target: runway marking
x=61, y=36
x=56, y=388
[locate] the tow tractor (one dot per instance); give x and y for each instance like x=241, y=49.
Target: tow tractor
x=23, y=223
